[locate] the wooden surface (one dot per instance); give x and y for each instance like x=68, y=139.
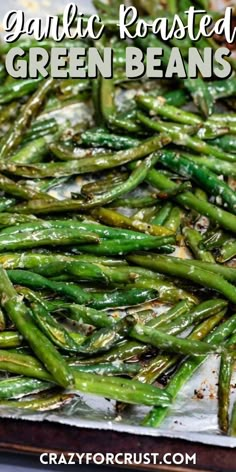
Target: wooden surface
x=34, y=438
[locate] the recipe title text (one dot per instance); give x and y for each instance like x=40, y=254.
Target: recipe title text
x=152, y=52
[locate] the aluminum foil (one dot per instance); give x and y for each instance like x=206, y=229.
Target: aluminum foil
x=194, y=415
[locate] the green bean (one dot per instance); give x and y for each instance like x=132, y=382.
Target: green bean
x=225, y=375
x=216, y=165
x=8, y=112
x=227, y=143
x=97, y=300
x=208, y=132
x=7, y=203
x=226, y=118
x=184, y=4
x=201, y=95
x=173, y=221
x=124, y=351
x=197, y=314
x=98, y=187
x=89, y=164
x=124, y=390
x=50, y=265
x=17, y=89
x=88, y=315
x=176, y=131
x=16, y=387
x=193, y=239
x=187, y=369
x=55, y=104
x=40, y=128
x=40, y=124
x=101, y=137
x=105, y=338
x=101, y=340
x=159, y=106
x=156, y=367
x=59, y=336
x=11, y=219
x=229, y=273
x=205, y=178
x=46, y=238
x=173, y=8
x=102, y=231
x=31, y=152
x=25, y=192
x=14, y=135
x=170, y=315
x=139, y=202
x=3, y=321
x=162, y=362
x=50, y=184
x=40, y=404
x=165, y=290
x=227, y=251
x=136, y=177
x=168, y=265
x=118, y=389
x=36, y=281
x=108, y=108
x=42, y=347
x=2, y=72
x=96, y=100
x=145, y=214
x=102, y=7
x=232, y=430
x=105, y=261
x=57, y=206
x=214, y=239
x=116, y=219
x=121, y=247
x=119, y=298
x=182, y=138
x=71, y=87
x=163, y=214
x=10, y=339
x=167, y=342
x=176, y=98
x=201, y=194
x=24, y=364
x=65, y=152
x=222, y=88
x=187, y=199
x=118, y=368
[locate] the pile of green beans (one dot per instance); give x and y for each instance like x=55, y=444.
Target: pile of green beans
x=117, y=232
